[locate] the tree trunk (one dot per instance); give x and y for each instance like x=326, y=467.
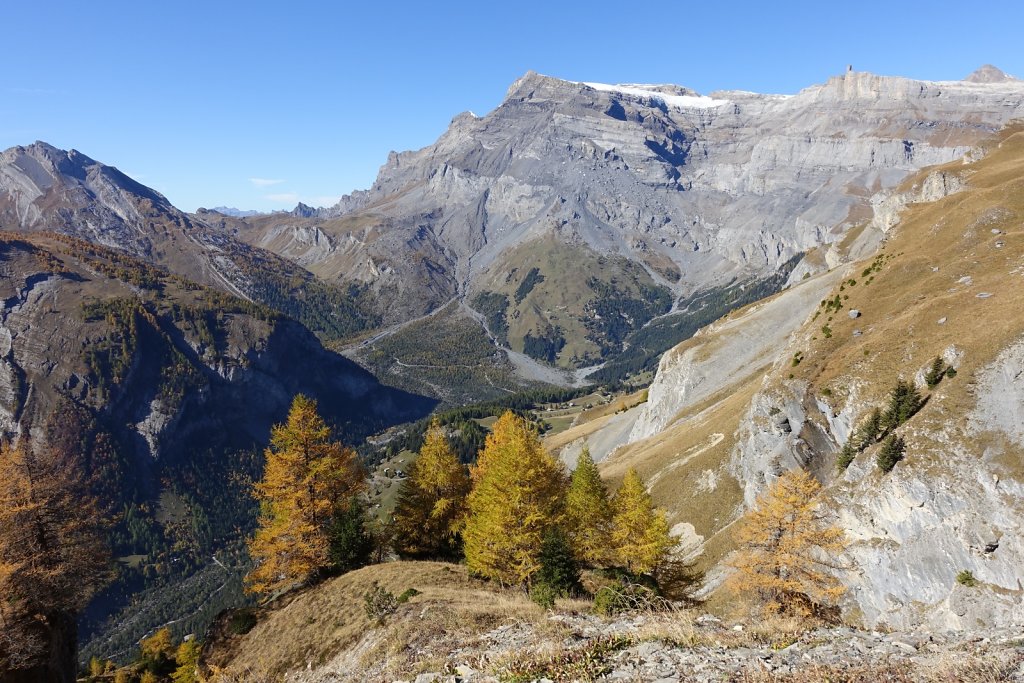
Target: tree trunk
x=60, y=662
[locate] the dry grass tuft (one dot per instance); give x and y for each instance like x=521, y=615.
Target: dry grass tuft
x=679, y=628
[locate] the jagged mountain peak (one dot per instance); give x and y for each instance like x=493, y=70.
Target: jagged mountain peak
x=37, y=167
x=43, y=150
x=988, y=73
x=304, y=210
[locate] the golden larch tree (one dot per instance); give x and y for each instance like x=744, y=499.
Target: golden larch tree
x=186, y=660
x=788, y=551
x=588, y=513
x=432, y=500
x=516, y=497
x=640, y=534
x=307, y=480
x=157, y=650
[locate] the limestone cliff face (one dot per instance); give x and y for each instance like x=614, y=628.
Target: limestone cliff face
x=726, y=353
x=950, y=507
x=718, y=187
x=942, y=284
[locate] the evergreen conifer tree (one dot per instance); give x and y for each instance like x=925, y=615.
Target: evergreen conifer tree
x=890, y=453
x=904, y=402
x=935, y=373
x=350, y=543
x=846, y=456
x=558, y=566
x=869, y=430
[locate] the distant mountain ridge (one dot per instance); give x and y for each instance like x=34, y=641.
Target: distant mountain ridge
x=579, y=223
x=237, y=213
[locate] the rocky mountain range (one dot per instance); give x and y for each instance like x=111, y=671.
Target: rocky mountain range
x=556, y=213
x=43, y=188
x=579, y=227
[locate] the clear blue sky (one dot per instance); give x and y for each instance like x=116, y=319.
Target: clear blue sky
x=196, y=99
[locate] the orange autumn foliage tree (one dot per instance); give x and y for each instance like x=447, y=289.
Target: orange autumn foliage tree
x=432, y=500
x=517, y=495
x=307, y=480
x=53, y=557
x=788, y=551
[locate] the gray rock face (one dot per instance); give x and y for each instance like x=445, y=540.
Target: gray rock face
x=725, y=354
x=718, y=186
x=45, y=188
x=1001, y=398
x=911, y=531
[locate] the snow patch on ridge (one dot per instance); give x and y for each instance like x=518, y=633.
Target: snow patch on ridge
x=679, y=101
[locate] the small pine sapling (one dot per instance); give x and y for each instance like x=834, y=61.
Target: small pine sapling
x=936, y=373
x=892, y=451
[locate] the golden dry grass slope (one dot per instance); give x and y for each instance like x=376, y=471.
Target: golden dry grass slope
x=328, y=625
x=945, y=281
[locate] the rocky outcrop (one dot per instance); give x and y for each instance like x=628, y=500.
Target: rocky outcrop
x=698, y=649
x=1001, y=394
x=725, y=354
x=886, y=207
